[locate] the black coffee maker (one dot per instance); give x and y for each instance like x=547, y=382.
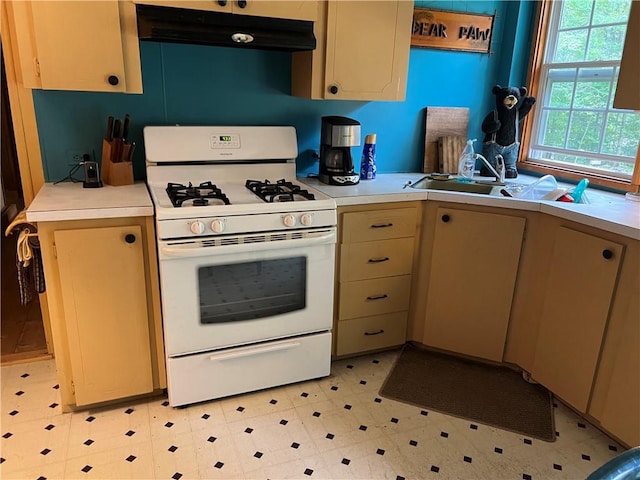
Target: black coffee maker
x=337, y=136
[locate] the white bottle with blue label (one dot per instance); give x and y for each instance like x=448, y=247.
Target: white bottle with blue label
x=467, y=163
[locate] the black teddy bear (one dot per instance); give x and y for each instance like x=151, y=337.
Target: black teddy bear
x=501, y=128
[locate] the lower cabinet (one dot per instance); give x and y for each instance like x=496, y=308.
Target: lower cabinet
x=374, y=281
x=472, y=274
x=104, y=306
x=577, y=300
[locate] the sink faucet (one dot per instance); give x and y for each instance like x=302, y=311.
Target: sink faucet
x=497, y=172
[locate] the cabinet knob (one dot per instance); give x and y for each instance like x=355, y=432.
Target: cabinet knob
x=446, y=218
x=113, y=80
x=333, y=89
x=130, y=238
x=242, y=3
x=222, y=3
x=608, y=254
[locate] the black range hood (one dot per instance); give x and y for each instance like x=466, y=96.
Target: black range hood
x=181, y=25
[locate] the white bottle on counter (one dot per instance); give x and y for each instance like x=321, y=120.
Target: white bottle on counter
x=467, y=163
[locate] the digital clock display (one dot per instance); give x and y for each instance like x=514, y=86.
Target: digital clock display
x=225, y=138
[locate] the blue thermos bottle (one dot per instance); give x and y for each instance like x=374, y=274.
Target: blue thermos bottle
x=368, y=163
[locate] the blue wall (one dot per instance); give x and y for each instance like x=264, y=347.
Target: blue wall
x=187, y=85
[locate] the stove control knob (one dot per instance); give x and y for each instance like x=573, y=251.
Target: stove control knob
x=289, y=220
x=306, y=219
x=217, y=226
x=197, y=227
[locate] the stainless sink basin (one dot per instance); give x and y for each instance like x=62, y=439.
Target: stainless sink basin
x=452, y=185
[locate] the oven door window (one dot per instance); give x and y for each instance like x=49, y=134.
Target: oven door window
x=251, y=290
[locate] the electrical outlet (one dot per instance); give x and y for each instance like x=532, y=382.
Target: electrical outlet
x=77, y=156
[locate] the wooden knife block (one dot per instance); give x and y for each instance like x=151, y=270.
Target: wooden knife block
x=115, y=171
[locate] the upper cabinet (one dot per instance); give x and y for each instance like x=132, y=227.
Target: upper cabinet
x=290, y=9
x=67, y=45
x=362, y=53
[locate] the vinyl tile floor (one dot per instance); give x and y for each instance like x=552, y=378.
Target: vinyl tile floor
x=335, y=427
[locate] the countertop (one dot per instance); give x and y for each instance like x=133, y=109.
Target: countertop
x=606, y=211
x=70, y=201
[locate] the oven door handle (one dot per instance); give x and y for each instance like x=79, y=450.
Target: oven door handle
x=191, y=250
x=253, y=351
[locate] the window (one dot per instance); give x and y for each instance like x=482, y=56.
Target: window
x=575, y=132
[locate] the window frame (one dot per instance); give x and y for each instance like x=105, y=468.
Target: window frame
x=540, y=40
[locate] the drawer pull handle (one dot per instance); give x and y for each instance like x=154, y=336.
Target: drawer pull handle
x=382, y=225
x=378, y=260
x=374, y=333
x=377, y=297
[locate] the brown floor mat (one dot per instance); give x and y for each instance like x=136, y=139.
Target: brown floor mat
x=493, y=395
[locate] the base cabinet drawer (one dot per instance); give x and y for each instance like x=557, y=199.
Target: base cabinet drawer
x=374, y=297
x=379, y=225
x=371, y=333
x=384, y=258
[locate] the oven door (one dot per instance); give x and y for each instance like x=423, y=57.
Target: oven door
x=227, y=291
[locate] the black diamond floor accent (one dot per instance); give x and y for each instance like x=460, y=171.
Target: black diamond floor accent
x=304, y=394
x=24, y=375
x=7, y=435
x=19, y=392
x=165, y=403
x=394, y=420
x=53, y=405
x=248, y=430
x=347, y=407
x=555, y=405
x=240, y=409
x=50, y=427
x=349, y=366
x=129, y=411
x=377, y=400
x=273, y=401
x=346, y=461
x=435, y=469
x=613, y=448
x=56, y=386
x=308, y=471
x=211, y=439
x=413, y=443
x=316, y=414
x=219, y=465
x=13, y=413
x=526, y=476
x=557, y=433
x=497, y=450
x=172, y=448
x=168, y=424
x=295, y=445
x=375, y=361
x=130, y=458
x=528, y=441
x=557, y=467
x=88, y=442
x=86, y=468
x=444, y=434
x=581, y=425
x=363, y=427
x=90, y=419
x=2, y=460
x=362, y=382
x=330, y=436
x=473, y=426
x=400, y=478
x=334, y=388
x=380, y=451
x=586, y=457
x=206, y=416
x=467, y=459
x=284, y=422
x=41, y=478
x=46, y=451
x=176, y=476
x=130, y=433
x=424, y=412
x=257, y=454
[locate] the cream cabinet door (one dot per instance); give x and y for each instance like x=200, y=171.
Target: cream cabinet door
x=574, y=316
x=472, y=277
x=367, y=52
x=78, y=45
x=104, y=297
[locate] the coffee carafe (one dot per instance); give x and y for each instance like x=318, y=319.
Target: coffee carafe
x=337, y=136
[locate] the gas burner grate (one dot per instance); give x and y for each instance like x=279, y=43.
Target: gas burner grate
x=200, y=194
x=281, y=191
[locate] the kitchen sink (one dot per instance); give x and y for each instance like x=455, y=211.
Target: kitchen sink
x=452, y=185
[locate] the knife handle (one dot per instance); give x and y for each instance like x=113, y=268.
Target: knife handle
x=117, y=128
x=125, y=127
x=109, y=136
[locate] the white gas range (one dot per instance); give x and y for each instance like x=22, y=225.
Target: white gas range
x=246, y=259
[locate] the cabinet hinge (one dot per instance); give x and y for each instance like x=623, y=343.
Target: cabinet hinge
x=55, y=251
x=36, y=66
x=73, y=388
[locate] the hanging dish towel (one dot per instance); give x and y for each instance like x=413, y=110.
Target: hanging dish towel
x=29, y=266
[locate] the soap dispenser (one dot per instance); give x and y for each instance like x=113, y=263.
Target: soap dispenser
x=467, y=163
